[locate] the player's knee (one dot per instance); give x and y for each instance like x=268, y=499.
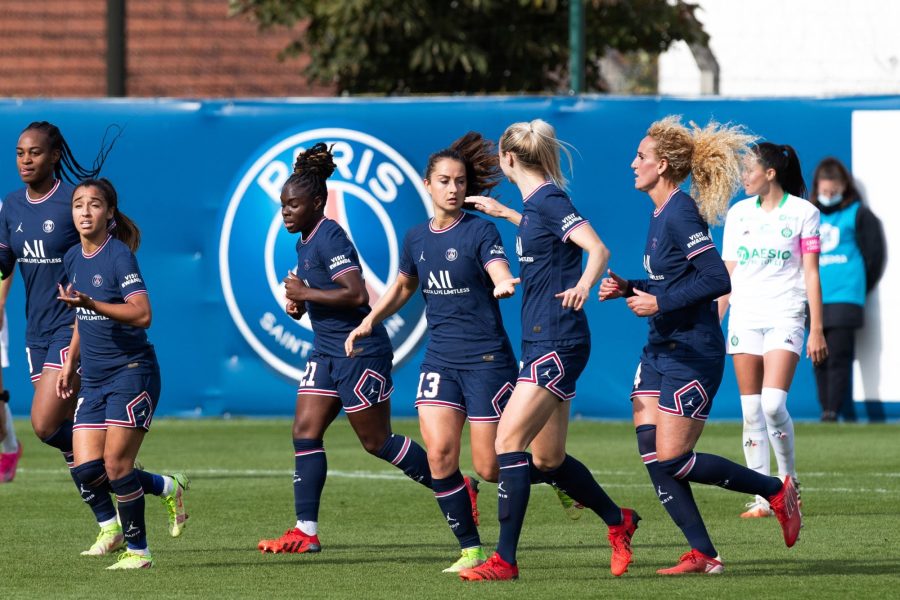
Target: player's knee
x=548, y=462
x=372, y=443
x=117, y=467
x=488, y=471
x=442, y=462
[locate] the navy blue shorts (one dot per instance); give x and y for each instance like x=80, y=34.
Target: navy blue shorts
x=125, y=400
x=481, y=394
x=49, y=353
x=685, y=381
x=554, y=365
x=360, y=381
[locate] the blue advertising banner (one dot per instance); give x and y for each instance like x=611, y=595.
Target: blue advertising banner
x=202, y=180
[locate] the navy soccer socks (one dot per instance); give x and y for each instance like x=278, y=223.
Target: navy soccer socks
x=310, y=469
x=453, y=498
x=130, y=498
x=674, y=494
x=513, y=490
x=573, y=478
x=715, y=470
x=93, y=485
x=407, y=456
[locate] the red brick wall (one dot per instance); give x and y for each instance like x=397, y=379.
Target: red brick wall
x=186, y=48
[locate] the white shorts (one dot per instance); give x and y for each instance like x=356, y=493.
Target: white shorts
x=762, y=340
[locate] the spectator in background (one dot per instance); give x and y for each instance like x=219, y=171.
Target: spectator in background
x=851, y=263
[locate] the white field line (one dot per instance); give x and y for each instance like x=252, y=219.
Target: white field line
x=397, y=476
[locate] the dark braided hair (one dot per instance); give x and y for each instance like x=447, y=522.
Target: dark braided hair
x=786, y=163
x=67, y=167
x=311, y=170
x=478, y=155
x=120, y=227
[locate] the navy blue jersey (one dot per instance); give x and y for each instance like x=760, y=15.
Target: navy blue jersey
x=677, y=234
x=548, y=265
x=37, y=233
x=464, y=321
x=109, y=274
x=321, y=258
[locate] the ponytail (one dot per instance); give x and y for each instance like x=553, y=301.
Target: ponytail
x=311, y=169
x=784, y=160
x=538, y=149
x=712, y=157
x=478, y=155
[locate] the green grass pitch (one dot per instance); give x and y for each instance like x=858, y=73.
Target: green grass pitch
x=383, y=535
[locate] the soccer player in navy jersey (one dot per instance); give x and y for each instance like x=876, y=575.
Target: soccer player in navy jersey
x=120, y=380
x=682, y=364
x=457, y=261
x=329, y=287
x=36, y=230
x=555, y=347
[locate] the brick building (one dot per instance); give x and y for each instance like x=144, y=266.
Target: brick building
x=181, y=48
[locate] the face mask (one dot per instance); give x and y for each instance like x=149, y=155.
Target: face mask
x=830, y=200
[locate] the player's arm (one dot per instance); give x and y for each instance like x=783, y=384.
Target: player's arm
x=493, y=208
x=502, y=278
x=66, y=383
x=587, y=239
x=393, y=300
x=816, y=349
x=135, y=311
x=7, y=258
x=724, y=300
x=350, y=293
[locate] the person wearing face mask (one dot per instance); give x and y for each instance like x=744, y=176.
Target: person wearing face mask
x=851, y=263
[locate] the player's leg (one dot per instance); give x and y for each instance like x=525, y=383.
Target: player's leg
x=10, y=447
x=441, y=428
x=312, y=416
x=122, y=446
x=89, y=472
x=781, y=355
x=365, y=387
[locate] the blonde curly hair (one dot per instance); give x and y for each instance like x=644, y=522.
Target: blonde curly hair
x=711, y=155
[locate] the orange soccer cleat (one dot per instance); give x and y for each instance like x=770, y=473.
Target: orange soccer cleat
x=293, y=541
x=620, y=541
x=695, y=561
x=495, y=569
x=786, y=505
x=472, y=488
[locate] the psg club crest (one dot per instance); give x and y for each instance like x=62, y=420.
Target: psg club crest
x=374, y=194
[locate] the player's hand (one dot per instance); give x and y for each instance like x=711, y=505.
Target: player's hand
x=294, y=310
x=816, y=349
x=487, y=205
x=574, y=297
x=294, y=288
x=612, y=287
x=363, y=330
x=67, y=382
x=506, y=288
x=642, y=304
x=73, y=298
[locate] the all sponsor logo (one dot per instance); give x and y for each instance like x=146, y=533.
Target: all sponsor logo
x=374, y=194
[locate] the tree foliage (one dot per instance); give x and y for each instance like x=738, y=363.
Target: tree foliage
x=471, y=46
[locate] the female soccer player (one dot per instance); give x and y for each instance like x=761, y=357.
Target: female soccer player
x=120, y=381
x=330, y=287
x=851, y=263
x=36, y=230
x=682, y=364
x=555, y=347
x=457, y=261
x=771, y=250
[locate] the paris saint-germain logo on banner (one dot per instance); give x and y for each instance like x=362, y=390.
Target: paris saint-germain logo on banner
x=374, y=194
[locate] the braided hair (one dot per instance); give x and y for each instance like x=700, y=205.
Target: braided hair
x=67, y=167
x=478, y=155
x=311, y=169
x=120, y=227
